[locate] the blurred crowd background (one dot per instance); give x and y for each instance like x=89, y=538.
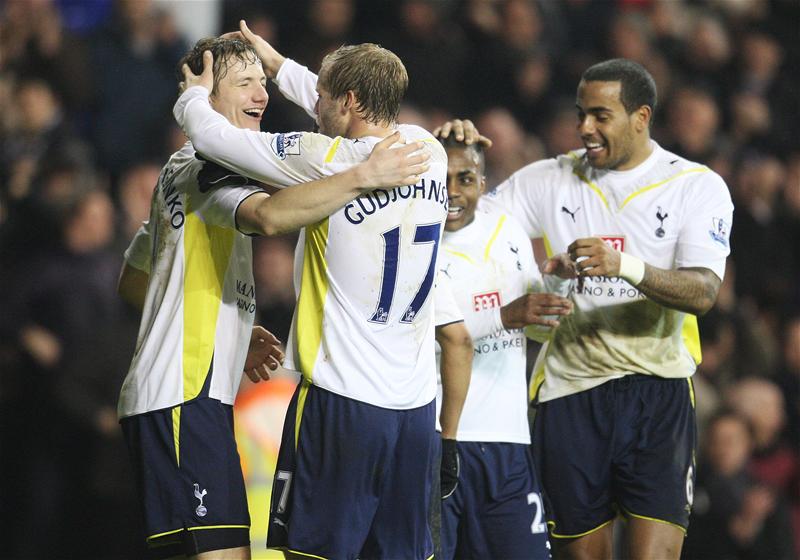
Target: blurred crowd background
x=86, y=90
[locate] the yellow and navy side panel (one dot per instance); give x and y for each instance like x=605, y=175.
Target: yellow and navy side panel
x=311, y=301
x=207, y=251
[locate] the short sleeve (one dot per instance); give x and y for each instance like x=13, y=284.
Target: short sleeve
x=519, y=195
x=704, y=239
x=446, y=309
x=219, y=194
x=139, y=253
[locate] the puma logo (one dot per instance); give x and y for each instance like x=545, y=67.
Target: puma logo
x=571, y=213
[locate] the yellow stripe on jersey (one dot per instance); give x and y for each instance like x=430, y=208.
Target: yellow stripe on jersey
x=207, y=250
x=548, y=248
x=311, y=302
x=298, y=414
x=536, y=380
x=461, y=255
x=702, y=169
x=332, y=149
x=583, y=178
x=176, y=433
x=492, y=239
x=690, y=334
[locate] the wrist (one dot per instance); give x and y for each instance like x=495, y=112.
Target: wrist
x=272, y=64
x=631, y=269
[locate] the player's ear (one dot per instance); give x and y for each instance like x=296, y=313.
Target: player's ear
x=643, y=116
x=350, y=99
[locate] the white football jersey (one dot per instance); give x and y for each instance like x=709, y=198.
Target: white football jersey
x=364, y=324
x=669, y=212
x=489, y=263
x=200, y=302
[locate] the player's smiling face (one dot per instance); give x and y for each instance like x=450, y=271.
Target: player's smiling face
x=241, y=96
x=464, y=186
x=608, y=132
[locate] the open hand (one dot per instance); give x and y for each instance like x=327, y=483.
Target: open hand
x=271, y=59
x=532, y=309
x=206, y=77
x=389, y=167
x=464, y=131
x=263, y=356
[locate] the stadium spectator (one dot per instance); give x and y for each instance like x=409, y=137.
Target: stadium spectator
x=735, y=516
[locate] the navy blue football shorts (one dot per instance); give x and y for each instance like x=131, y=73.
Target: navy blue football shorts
x=353, y=480
x=189, y=478
x=625, y=447
x=496, y=511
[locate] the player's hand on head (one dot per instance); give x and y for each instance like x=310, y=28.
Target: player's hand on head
x=594, y=257
x=263, y=356
x=389, y=167
x=463, y=131
x=535, y=309
x=206, y=77
x=560, y=265
x=270, y=57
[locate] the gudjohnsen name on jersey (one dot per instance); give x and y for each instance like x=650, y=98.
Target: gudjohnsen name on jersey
x=365, y=205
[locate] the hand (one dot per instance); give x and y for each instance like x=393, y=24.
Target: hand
x=451, y=467
x=206, y=77
x=464, y=131
x=263, y=355
x=389, y=167
x=560, y=265
x=601, y=259
x=531, y=309
x=271, y=59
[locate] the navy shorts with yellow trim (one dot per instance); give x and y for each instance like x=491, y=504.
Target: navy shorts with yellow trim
x=353, y=480
x=189, y=478
x=626, y=446
x=496, y=510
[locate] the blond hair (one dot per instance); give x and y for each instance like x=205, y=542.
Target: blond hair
x=375, y=75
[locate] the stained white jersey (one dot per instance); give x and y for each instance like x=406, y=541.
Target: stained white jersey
x=669, y=212
x=200, y=302
x=489, y=263
x=364, y=324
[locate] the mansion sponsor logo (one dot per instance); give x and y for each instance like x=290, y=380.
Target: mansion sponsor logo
x=616, y=242
x=486, y=301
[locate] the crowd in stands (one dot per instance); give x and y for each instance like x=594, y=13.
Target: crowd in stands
x=86, y=90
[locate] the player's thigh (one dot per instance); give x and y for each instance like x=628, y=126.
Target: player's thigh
x=653, y=539
x=189, y=478
x=573, y=451
x=400, y=528
x=654, y=477
x=334, y=458
x=595, y=545
x=512, y=512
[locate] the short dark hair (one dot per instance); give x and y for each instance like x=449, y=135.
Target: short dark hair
x=475, y=147
x=637, y=86
x=376, y=76
x=225, y=51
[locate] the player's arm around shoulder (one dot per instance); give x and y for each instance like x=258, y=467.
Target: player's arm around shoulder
x=308, y=203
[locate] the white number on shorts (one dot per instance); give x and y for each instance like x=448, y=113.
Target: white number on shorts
x=287, y=476
x=537, y=526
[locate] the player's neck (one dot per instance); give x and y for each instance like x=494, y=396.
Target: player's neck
x=360, y=128
x=644, y=148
